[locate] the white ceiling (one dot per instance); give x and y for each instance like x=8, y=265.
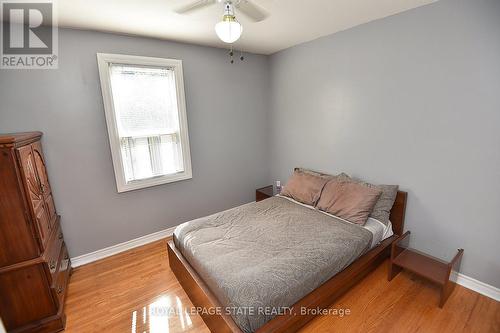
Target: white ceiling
x=291, y=22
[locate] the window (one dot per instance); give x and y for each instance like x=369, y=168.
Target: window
x=146, y=117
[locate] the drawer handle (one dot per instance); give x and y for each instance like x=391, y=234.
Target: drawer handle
x=60, y=236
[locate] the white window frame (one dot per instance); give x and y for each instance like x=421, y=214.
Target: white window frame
x=103, y=61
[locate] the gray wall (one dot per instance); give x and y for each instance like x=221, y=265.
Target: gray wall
x=226, y=108
x=413, y=99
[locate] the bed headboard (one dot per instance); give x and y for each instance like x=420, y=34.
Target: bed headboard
x=398, y=210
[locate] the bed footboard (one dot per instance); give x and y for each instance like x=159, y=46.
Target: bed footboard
x=199, y=293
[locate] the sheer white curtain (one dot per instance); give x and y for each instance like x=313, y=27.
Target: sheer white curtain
x=147, y=117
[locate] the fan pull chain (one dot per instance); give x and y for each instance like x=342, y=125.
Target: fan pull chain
x=231, y=54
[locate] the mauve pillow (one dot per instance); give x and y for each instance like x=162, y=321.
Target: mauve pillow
x=350, y=201
x=382, y=209
x=304, y=187
x=315, y=173
x=321, y=174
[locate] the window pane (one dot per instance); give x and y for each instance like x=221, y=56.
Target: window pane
x=147, y=157
x=145, y=100
x=145, y=104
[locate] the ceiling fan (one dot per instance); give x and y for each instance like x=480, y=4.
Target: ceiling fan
x=228, y=29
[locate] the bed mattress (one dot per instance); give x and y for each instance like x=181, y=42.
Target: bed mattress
x=262, y=257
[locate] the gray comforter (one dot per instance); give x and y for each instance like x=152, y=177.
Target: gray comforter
x=267, y=255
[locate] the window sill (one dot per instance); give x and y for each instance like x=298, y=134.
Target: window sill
x=154, y=181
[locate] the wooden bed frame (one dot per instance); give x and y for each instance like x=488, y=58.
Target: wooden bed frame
x=322, y=297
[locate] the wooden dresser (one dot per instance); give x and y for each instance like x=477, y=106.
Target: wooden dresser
x=34, y=261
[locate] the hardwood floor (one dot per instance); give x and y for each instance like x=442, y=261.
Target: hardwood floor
x=135, y=291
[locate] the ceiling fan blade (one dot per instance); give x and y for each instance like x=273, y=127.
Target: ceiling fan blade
x=194, y=6
x=252, y=10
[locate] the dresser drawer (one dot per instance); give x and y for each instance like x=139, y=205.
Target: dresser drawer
x=62, y=275
x=53, y=250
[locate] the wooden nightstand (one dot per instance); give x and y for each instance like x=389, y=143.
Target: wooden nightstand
x=424, y=265
x=265, y=192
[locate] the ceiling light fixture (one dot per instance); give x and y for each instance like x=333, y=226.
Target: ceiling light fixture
x=228, y=30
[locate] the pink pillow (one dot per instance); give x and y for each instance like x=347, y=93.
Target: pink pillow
x=304, y=187
x=350, y=201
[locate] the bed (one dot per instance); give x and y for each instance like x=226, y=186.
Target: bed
x=256, y=267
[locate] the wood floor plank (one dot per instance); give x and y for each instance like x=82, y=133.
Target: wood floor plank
x=136, y=292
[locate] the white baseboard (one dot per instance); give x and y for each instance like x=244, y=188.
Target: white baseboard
x=477, y=286
x=463, y=280
x=115, y=249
